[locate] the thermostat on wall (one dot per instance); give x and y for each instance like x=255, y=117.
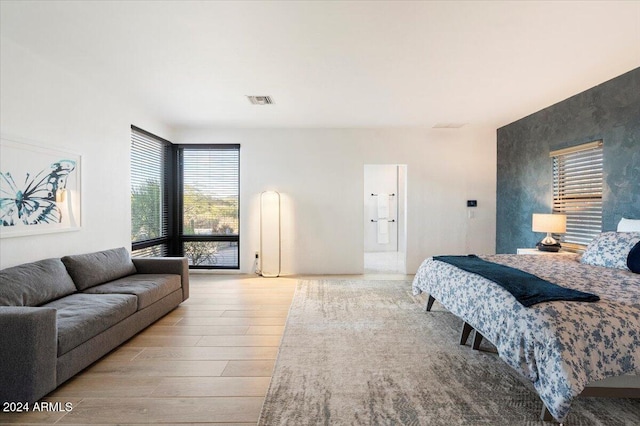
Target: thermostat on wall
x=472, y=203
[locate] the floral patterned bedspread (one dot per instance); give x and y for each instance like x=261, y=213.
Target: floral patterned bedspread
x=559, y=346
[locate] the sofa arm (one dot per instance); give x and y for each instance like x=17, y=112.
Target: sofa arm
x=165, y=265
x=28, y=353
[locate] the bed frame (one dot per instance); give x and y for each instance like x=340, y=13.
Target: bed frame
x=612, y=387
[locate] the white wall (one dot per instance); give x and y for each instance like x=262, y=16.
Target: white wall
x=319, y=173
x=46, y=105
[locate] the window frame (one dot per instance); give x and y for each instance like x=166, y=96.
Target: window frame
x=166, y=213
x=172, y=200
x=579, y=193
x=181, y=238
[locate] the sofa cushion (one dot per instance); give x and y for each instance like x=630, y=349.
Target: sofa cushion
x=88, y=270
x=33, y=284
x=83, y=316
x=149, y=288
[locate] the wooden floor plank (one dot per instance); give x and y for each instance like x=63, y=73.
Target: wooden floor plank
x=250, y=340
x=256, y=314
x=99, y=386
x=183, y=312
x=165, y=410
x=211, y=386
x=260, y=368
x=196, y=330
x=266, y=329
x=148, y=341
x=160, y=367
x=208, y=353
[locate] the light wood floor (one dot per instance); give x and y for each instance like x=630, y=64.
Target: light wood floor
x=208, y=361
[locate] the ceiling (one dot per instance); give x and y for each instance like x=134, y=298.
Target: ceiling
x=334, y=63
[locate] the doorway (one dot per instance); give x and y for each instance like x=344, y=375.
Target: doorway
x=385, y=218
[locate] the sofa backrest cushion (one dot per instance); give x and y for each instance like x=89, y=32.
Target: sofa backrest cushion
x=88, y=270
x=33, y=284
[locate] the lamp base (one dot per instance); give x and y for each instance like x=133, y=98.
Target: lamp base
x=554, y=248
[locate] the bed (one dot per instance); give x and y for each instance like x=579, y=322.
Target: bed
x=561, y=347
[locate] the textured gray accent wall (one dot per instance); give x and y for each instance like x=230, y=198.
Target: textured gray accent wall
x=609, y=111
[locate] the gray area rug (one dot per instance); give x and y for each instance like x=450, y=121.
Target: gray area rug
x=365, y=353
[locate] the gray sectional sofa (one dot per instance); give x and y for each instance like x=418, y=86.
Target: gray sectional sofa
x=57, y=316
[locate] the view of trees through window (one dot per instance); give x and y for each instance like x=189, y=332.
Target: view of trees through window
x=210, y=196
x=208, y=215
x=149, y=221
x=146, y=205
x=192, y=211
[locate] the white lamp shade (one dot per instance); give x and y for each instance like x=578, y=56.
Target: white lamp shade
x=270, y=234
x=553, y=223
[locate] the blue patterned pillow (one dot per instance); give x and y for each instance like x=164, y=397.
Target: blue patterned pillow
x=610, y=249
x=633, y=260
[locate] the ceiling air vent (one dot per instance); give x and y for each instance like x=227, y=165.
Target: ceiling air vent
x=260, y=100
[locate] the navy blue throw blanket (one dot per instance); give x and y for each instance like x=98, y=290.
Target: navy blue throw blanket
x=525, y=287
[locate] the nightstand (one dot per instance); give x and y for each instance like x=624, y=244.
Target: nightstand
x=536, y=251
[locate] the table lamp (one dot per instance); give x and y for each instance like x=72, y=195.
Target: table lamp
x=549, y=223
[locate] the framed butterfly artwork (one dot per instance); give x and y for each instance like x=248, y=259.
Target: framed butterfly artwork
x=39, y=189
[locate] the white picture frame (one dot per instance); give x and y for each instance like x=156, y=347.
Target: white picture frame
x=40, y=189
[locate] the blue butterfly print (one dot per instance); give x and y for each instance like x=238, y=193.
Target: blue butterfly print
x=34, y=202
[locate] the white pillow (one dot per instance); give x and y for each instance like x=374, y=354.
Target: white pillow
x=629, y=225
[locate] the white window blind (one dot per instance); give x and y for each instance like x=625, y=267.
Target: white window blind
x=149, y=211
x=577, y=191
x=210, y=205
x=211, y=191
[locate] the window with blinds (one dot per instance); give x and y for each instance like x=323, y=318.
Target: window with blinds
x=149, y=206
x=577, y=192
x=210, y=176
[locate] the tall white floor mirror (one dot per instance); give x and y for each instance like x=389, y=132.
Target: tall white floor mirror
x=270, y=234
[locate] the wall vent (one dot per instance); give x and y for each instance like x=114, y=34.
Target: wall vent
x=260, y=100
